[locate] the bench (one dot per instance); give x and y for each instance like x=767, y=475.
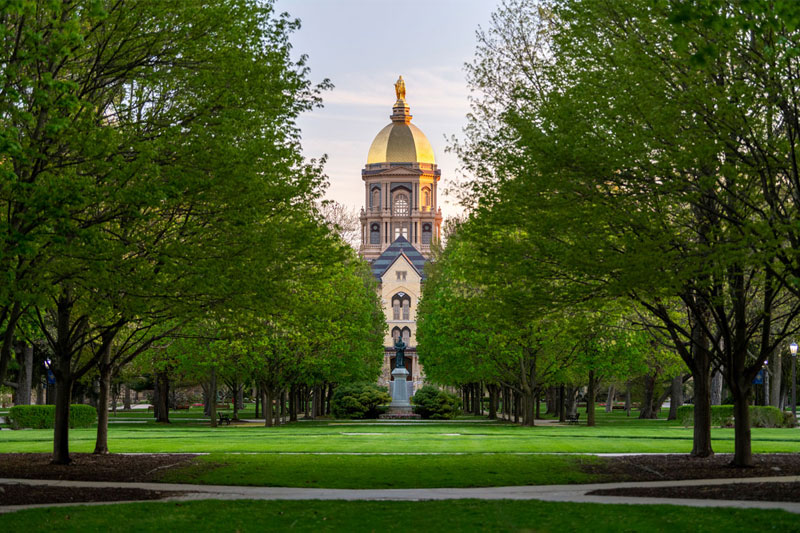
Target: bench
x=224, y=418
x=573, y=419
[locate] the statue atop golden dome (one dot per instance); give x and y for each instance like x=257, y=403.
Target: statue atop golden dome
x=400, y=88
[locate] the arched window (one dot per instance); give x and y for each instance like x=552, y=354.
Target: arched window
x=426, y=234
x=400, y=206
x=426, y=197
x=376, y=198
x=400, y=301
x=375, y=233
x=396, y=332
x=406, y=336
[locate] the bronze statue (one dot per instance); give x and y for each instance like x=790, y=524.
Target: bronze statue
x=400, y=88
x=399, y=350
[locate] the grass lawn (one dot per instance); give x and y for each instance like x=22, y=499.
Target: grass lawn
x=382, y=472
x=648, y=436
x=456, y=515
x=459, y=454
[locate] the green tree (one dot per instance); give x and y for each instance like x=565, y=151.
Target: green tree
x=623, y=159
x=160, y=154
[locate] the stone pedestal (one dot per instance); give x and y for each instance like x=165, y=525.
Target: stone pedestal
x=400, y=388
x=400, y=406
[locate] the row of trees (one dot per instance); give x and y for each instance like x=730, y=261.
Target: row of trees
x=644, y=154
x=484, y=320
x=153, y=188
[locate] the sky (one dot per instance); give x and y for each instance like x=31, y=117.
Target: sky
x=362, y=46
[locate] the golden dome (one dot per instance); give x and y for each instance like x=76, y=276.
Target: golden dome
x=400, y=141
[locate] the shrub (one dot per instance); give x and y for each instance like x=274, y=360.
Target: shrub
x=358, y=400
x=761, y=416
x=44, y=416
x=430, y=402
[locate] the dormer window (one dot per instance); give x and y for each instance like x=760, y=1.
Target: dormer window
x=401, y=275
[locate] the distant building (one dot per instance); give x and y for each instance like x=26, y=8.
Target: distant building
x=399, y=222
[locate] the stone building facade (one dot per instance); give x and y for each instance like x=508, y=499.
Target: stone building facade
x=399, y=222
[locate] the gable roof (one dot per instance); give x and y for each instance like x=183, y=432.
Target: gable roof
x=399, y=247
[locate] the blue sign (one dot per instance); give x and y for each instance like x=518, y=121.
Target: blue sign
x=759, y=378
x=51, y=378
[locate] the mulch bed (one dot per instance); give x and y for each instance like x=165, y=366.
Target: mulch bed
x=28, y=494
x=679, y=467
x=764, y=492
x=676, y=467
x=90, y=467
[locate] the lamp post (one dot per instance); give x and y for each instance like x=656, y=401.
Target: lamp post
x=793, y=349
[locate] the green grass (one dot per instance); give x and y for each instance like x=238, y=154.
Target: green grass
x=382, y=472
x=456, y=515
x=334, y=437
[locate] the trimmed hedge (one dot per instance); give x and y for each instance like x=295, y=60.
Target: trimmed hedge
x=761, y=416
x=358, y=400
x=430, y=402
x=44, y=416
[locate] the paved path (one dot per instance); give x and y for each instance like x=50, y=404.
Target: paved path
x=553, y=493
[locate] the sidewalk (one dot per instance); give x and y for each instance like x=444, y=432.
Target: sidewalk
x=553, y=493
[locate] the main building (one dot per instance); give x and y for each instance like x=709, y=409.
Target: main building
x=399, y=222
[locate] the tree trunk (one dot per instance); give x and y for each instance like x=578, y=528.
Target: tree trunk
x=492, y=401
x=646, y=410
x=675, y=397
x=628, y=403
x=283, y=406
x=257, y=394
x=528, y=397
x=571, y=400
x=268, y=414
x=538, y=406
x=104, y=366
x=39, y=394
x=126, y=398
x=776, y=371
x=235, y=399
x=63, y=396
x=24, y=383
x=206, y=387
x=293, y=400
x=329, y=398
x=716, y=388
x=163, y=398
x=701, y=373
x=562, y=411
x=212, y=395
x=743, y=454
x=590, y=394
x=612, y=393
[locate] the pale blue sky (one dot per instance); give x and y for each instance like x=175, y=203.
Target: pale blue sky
x=362, y=46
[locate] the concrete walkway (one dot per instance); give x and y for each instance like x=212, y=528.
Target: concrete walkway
x=553, y=493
